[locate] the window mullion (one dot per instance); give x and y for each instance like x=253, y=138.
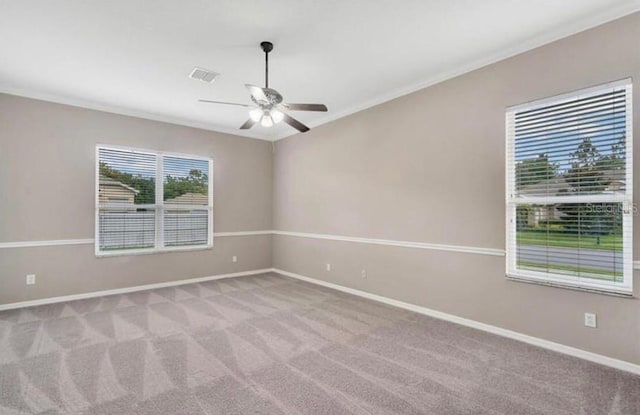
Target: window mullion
x=210, y=204
x=159, y=202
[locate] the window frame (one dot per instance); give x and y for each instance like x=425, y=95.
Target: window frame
x=511, y=201
x=159, y=206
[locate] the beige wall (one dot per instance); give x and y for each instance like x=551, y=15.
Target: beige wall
x=429, y=167
x=47, y=192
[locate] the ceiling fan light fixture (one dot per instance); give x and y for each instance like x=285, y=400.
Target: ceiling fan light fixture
x=266, y=120
x=277, y=116
x=255, y=114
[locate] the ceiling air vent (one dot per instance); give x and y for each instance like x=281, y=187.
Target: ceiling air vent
x=203, y=74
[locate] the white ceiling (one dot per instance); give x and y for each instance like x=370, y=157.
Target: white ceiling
x=134, y=56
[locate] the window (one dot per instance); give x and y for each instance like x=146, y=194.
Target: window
x=569, y=190
x=148, y=201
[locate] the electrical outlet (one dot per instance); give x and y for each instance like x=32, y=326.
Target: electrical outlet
x=590, y=320
x=364, y=273
x=234, y=259
x=31, y=279
x=328, y=267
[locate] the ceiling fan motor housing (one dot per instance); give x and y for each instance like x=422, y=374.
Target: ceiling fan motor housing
x=273, y=97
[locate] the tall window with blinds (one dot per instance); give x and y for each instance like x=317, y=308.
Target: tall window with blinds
x=569, y=189
x=149, y=201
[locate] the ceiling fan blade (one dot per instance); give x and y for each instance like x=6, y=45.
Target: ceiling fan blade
x=221, y=102
x=257, y=93
x=250, y=123
x=307, y=107
x=295, y=123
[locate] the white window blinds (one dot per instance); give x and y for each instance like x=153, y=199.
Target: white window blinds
x=186, y=201
x=569, y=189
x=148, y=201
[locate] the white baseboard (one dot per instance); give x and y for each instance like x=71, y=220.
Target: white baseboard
x=557, y=347
x=94, y=294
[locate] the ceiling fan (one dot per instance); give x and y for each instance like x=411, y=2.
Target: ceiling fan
x=269, y=107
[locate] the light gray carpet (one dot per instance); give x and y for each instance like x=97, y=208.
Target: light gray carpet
x=271, y=345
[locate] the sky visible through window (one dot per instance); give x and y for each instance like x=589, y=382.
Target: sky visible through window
x=566, y=134
x=141, y=164
x=181, y=167
x=136, y=164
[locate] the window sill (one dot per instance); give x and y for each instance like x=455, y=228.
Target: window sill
x=150, y=251
x=621, y=293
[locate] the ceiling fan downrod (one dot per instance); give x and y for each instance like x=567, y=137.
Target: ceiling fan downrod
x=266, y=47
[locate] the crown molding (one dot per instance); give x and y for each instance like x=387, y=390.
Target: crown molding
x=129, y=112
x=544, y=39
